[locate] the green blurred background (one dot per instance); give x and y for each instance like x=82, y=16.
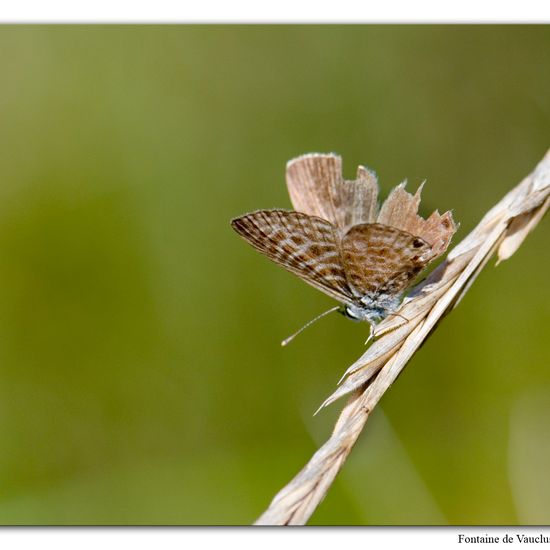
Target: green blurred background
x=142, y=380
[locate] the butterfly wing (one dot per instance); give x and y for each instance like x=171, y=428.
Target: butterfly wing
x=400, y=210
x=356, y=201
x=313, y=182
x=304, y=245
x=316, y=187
x=381, y=259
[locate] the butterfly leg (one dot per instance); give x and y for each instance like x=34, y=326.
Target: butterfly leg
x=371, y=334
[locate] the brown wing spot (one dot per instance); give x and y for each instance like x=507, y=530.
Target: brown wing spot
x=326, y=248
x=278, y=236
x=315, y=250
x=417, y=243
x=298, y=240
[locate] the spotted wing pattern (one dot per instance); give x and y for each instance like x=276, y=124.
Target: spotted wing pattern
x=381, y=259
x=304, y=245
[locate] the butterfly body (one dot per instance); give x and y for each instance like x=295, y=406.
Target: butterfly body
x=340, y=243
x=372, y=308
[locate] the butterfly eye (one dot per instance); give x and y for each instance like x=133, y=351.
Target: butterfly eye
x=417, y=243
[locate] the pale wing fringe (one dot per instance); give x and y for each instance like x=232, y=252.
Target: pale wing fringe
x=501, y=230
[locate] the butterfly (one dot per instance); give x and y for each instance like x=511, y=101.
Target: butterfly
x=341, y=243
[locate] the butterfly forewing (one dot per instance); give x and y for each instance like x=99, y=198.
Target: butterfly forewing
x=305, y=245
x=381, y=259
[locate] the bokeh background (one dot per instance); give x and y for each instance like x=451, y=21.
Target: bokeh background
x=141, y=376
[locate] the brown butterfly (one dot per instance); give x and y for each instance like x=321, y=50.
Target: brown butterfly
x=339, y=242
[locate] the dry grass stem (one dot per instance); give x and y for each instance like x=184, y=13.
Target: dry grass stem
x=502, y=230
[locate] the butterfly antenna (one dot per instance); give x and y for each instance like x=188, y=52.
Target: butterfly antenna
x=290, y=338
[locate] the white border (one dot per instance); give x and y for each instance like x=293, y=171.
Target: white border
x=371, y=538
x=283, y=11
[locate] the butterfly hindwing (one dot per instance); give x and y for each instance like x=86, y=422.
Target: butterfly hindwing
x=380, y=259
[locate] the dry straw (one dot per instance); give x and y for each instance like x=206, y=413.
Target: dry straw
x=502, y=230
